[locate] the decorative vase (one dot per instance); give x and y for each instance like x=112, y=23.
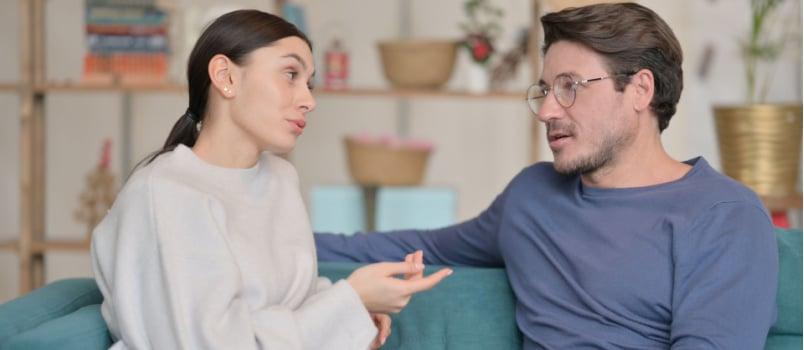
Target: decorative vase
x=479, y=78
x=760, y=146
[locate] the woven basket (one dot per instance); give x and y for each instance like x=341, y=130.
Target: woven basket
x=760, y=146
x=381, y=165
x=418, y=64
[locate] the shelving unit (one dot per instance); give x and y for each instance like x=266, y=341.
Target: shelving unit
x=358, y=92
x=9, y=87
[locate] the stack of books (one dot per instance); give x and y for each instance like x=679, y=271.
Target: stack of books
x=127, y=42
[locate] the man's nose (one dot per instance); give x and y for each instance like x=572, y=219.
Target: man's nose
x=549, y=108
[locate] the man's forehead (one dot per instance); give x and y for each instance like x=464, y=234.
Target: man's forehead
x=565, y=57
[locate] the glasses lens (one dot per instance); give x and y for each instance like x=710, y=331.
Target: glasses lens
x=535, y=93
x=564, y=89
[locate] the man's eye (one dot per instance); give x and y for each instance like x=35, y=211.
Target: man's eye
x=292, y=75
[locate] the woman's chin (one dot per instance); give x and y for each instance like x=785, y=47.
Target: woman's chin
x=283, y=148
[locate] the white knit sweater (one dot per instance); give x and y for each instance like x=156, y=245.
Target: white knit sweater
x=195, y=256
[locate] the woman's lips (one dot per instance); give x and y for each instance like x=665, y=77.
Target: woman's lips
x=298, y=125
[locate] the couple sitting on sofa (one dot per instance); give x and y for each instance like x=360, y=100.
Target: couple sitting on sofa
x=613, y=245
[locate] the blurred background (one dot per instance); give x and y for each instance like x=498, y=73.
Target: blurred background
x=432, y=94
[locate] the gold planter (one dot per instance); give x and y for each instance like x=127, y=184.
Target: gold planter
x=760, y=146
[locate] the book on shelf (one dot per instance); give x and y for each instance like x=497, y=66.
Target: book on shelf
x=127, y=42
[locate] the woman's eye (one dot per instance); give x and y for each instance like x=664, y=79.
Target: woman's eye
x=292, y=75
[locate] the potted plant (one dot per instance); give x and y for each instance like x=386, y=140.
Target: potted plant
x=481, y=30
x=760, y=142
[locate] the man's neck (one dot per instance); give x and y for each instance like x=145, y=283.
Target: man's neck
x=643, y=163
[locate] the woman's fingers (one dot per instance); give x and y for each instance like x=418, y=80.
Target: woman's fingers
x=409, y=260
x=415, y=258
x=425, y=283
x=388, y=269
x=418, y=258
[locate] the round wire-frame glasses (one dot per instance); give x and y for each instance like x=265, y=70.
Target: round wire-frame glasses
x=564, y=90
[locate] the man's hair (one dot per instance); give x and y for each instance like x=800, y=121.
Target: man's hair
x=630, y=37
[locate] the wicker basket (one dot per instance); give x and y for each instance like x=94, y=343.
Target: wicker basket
x=760, y=146
x=373, y=164
x=418, y=64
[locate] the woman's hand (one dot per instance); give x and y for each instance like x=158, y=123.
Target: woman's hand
x=381, y=292
x=383, y=323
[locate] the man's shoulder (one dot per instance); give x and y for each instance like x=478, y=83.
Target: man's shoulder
x=712, y=188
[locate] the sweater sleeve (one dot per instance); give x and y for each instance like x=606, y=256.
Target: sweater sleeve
x=471, y=243
x=725, y=280
x=173, y=284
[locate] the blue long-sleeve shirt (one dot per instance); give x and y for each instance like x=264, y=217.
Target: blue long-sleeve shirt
x=686, y=264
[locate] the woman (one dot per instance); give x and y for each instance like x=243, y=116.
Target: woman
x=209, y=246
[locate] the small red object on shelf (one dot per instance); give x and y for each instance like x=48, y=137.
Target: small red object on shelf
x=336, y=66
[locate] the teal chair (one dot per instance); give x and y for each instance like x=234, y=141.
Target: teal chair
x=415, y=208
x=342, y=209
x=337, y=209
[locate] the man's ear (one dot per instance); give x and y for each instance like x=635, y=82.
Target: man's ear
x=643, y=88
x=220, y=70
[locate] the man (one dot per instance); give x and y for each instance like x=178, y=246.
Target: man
x=615, y=244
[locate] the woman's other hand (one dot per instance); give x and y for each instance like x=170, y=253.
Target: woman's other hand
x=383, y=323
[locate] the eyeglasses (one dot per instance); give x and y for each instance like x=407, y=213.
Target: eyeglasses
x=564, y=89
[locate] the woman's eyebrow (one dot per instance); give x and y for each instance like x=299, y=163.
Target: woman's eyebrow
x=297, y=58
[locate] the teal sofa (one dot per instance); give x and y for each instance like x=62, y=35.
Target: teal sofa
x=472, y=309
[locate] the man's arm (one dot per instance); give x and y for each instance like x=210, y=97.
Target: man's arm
x=472, y=243
x=725, y=280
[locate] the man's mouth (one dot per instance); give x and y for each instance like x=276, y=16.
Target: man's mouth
x=554, y=136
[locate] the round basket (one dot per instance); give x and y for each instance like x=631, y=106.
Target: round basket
x=418, y=64
x=382, y=165
x=760, y=146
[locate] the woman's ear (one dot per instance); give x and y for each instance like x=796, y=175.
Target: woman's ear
x=644, y=89
x=221, y=70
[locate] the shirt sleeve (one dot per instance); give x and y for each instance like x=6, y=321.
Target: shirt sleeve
x=471, y=243
x=174, y=284
x=725, y=280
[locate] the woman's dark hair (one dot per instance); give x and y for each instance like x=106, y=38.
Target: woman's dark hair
x=630, y=37
x=234, y=35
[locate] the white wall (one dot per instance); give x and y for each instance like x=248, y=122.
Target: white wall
x=481, y=144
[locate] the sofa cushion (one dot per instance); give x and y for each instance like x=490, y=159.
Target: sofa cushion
x=80, y=330
x=44, y=304
x=788, y=296
x=471, y=309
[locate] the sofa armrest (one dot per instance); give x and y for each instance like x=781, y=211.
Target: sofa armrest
x=83, y=329
x=47, y=303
